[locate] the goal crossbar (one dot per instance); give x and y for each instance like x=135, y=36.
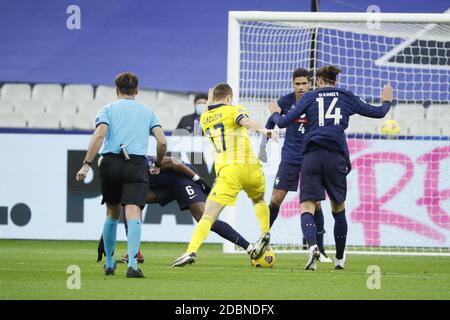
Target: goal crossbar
x=339, y=17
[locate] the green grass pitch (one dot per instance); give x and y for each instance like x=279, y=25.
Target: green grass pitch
x=37, y=270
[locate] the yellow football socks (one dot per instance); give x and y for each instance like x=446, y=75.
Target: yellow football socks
x=262, y=212
x=200, y=234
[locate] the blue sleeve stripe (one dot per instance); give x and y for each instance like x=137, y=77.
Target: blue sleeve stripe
x=240, y=117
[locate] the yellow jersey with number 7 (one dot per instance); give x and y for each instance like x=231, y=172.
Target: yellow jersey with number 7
x=230, y=141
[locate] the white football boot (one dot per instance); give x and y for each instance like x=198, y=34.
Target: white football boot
x=324, y=258
x=261, y=246
x=339, y=263
x=313, y=257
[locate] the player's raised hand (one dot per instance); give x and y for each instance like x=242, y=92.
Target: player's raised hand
x=210, y=100
x=387, y=93
x=81, y=175
x=274, y=107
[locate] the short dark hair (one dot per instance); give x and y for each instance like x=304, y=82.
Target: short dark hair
x=221, y=91
x=127, y=83
x=200, y=96
x=328, y=73
x=300, y=72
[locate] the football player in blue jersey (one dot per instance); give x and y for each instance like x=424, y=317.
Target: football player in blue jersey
x=287, y=177
x=179, y=181
x=326, y=160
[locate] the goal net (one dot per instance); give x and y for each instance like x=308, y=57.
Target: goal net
x=399, y=189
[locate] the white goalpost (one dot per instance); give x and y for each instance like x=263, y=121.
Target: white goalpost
x=398, y=198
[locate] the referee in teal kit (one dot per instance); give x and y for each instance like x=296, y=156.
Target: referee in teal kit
x=125, y=126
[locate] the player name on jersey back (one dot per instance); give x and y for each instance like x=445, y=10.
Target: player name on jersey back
x=229, y=140
x=211, y=118
x=328, y=94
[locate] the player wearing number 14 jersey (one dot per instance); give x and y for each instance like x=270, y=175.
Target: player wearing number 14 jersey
x=237, y=168
x=288, y=174
x=326, y=156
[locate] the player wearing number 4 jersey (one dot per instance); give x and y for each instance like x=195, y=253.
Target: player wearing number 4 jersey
x=237, y=168
x=326, y=156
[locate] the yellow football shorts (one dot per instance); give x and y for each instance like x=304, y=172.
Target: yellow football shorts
x=231, y=179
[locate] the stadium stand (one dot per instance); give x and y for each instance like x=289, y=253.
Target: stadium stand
x=91, y=108
x=16, y=91
x=77, y=121
x=62, y=108
x=47, y=92
x=104, y=93
x=78, y=92
x=147, y=97
x=74, y=106
x=13, y=120
x=28, y=107
x=6, y=107
x=43, y=121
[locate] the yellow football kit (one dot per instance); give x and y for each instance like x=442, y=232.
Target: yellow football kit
x=236, y=165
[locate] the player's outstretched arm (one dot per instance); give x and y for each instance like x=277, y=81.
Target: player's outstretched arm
x=368, y=110
x=284, y=121
x=255, y=126
x=174, y=164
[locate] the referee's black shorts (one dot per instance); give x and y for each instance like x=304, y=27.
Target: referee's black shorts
x=124, y=182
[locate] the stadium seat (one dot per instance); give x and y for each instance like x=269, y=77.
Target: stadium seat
x=176, y=108
x=78, y=121
x=445, y=130
x=168, y=122
x=90, y=108
x=104, y=93
x=43, y=121
x=258, y=110
x=27, y=107
x=360, y=124
x=47, y=92
x=62, y=107
x=438, y=111
x=411, y=111
x=6, y=107
x=170, y=96
x=423, y=128
x=78, y=92
x=164, y=112
x=14, y=120
x=16, y=91
x=147, y=98
x=356, y=126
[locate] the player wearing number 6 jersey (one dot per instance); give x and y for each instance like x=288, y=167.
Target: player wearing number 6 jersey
x=326, y=156
x=179, y=181
x=236, y=165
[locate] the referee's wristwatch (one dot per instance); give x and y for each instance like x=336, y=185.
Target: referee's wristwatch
x=156, y=164
x=89, y=163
